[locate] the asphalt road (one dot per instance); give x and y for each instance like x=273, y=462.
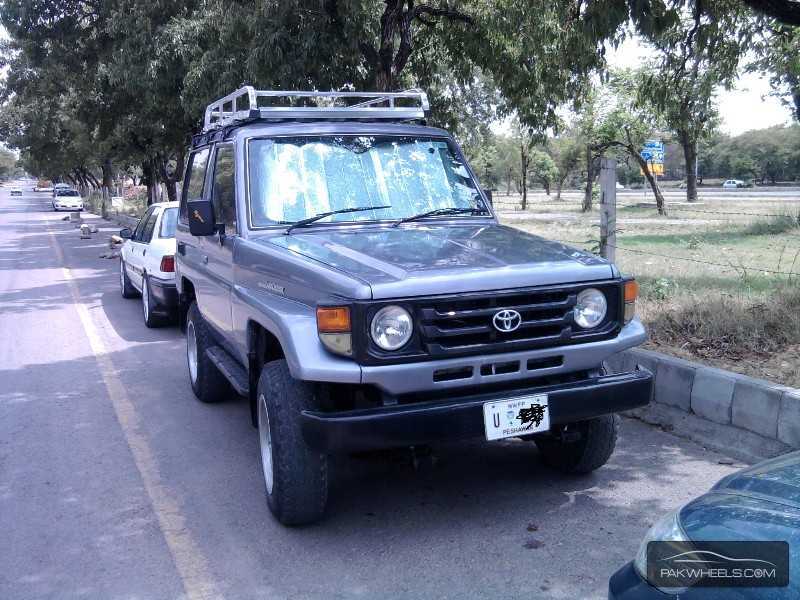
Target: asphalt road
x=116, y=483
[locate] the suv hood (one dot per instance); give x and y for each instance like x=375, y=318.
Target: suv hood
x=422, y=260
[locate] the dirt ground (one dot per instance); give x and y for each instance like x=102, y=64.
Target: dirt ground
x=737, y=251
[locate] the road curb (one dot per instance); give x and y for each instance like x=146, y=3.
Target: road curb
x=744, y=417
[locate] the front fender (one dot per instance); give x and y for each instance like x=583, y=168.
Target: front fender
x=295, y=326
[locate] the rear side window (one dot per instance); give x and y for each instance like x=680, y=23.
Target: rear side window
x=224, y=194
x=168, y=221
x=195, y=180
x=137, y=233
x=147, y=232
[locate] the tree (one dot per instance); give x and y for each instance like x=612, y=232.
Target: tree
x=785, y=11
x=565, y=150
x=622, y=124
x=778, y=51
x=697, y=54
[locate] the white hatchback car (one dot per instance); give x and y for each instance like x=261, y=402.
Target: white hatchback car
x=147, y=263
x=733, y=184
x=67, y=200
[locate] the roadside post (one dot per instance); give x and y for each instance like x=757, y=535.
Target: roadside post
x=608, y=208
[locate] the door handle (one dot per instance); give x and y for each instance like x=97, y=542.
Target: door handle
x=144, y=251
x=205, y=259
x=181, y=248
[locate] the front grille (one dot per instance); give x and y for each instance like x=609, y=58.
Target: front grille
x=465, y=325
x=462, y=325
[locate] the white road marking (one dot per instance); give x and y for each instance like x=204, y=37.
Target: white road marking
x=189, y=561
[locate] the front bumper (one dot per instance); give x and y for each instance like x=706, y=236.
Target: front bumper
x=626, y=584
x=462, y=417
x=421, y=377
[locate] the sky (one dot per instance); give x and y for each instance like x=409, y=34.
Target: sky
x=746, y=107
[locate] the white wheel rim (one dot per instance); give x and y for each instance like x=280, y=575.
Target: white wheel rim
x=145, y=299
x=191, y=350
x=265, y=439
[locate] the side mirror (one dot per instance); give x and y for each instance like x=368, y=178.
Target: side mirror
x=125, y=233
x=201, y=218
x=488, y=193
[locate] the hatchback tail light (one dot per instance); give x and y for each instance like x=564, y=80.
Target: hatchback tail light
x=168, y=264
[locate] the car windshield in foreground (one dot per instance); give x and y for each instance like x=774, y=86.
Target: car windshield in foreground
x=384, y=177
x=169, y=220
x=68, y=193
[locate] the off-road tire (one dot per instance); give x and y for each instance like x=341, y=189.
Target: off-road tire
x=299, y=490
x=208, y=384
x=591, y=451
x=125, y=285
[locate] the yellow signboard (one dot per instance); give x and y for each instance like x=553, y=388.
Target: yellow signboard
x=655, y=169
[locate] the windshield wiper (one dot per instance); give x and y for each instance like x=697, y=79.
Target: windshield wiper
x=341, y=211
x=474, y=210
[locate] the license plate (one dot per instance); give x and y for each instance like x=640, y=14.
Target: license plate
x=516, y=416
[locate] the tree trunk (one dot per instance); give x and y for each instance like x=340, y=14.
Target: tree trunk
x=650, y=179
x=587, y=194
x=794, y=89
x=107, y=183
x=508, y=182
x=149, y=179
x=524, y=160
x=546, y=185
x=690, y=156
x=168, y=180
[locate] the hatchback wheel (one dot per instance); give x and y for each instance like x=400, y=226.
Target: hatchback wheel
x=125, y=285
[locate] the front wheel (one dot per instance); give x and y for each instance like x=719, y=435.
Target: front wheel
x=208, y=384
x=295, y=476
x=125, y=285
x=580, y=447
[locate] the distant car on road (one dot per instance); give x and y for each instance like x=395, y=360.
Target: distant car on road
x=60, y=187
x=147, y=263
x=67, y=200
x=733, y=184
x=759, y=503
x=43, y=186
x=16, y=191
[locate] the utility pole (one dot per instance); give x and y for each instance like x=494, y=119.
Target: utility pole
x=608, y=208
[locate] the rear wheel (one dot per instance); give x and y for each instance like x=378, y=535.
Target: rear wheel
x=580, y=447
x=295, y=476
x=208, y=384
x=149, y=305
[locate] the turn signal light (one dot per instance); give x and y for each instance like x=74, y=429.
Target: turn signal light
x=631, y=293
x=631, y=290
x=333, y=325
x=168, y=264
x=333, y=319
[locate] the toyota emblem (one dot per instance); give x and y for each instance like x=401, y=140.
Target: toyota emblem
x=507, y=320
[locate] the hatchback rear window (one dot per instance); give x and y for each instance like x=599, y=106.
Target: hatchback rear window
x=168, y=222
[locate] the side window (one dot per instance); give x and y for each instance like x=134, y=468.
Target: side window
x=195, y=179
x=147, y=232
x=224, y=192
x=137, y=233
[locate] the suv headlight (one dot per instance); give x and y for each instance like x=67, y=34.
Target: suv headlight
x=591, y=308
x=666, y=529
x=391, y=327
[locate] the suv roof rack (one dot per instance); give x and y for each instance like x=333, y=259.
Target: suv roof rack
x=243, y=105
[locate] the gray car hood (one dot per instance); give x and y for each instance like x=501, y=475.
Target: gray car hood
x=418, y=259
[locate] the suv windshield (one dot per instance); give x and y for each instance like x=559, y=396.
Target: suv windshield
x=68, y=193
x=298, y=177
